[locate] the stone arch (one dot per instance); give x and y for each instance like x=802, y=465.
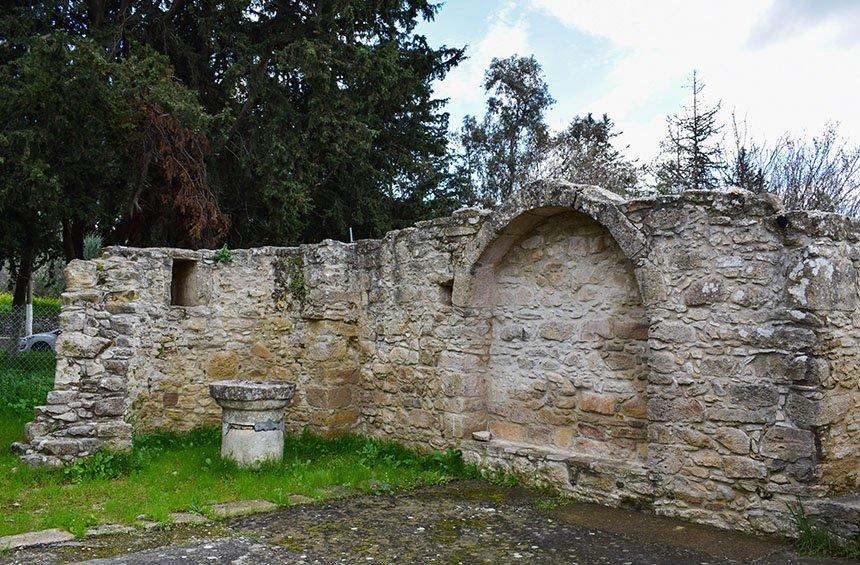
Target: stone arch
x=551, y=212
x=534, y=204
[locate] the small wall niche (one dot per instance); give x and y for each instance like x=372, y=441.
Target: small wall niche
x=446, y=292
x=183, y=283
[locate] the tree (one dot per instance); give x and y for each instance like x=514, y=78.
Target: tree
x=84, y=138
x=822, y=173
x=186, y=122
x=583, y=153
x=690, y=158
x=506, y=149
x=746, y=162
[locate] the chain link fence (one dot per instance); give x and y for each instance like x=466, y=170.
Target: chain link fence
x=27, y=358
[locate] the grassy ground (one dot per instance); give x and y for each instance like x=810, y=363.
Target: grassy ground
x=167, y=472
x=25, y=379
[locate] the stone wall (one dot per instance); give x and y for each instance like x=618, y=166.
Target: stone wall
x=695, y=354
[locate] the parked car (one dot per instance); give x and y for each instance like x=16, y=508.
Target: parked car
x=45, y=341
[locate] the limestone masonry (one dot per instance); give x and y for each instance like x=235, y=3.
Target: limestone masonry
x=693, y=354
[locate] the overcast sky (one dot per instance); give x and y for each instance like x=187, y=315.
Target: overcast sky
x=784, y=65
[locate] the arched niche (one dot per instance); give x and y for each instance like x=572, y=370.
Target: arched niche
x=558, y=271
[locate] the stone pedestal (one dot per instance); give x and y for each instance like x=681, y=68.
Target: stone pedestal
x=252, y=419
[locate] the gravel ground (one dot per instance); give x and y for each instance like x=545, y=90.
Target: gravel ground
x=464, y=522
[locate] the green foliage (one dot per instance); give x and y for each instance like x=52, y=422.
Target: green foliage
x=813, y=540
x=223, y=255
x=92, y=246
x=583, y=153
x=102, y=465
x=512, y=146
x=691, y=157
x=91, y=143
x=289, y=279
x=297, y=286
x=43, y=306
x=169, y=124
x=505, y=150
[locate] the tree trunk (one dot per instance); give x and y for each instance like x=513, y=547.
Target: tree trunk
x=68, y=245
x=78, y=232
x=73, y=239
x=23, y=276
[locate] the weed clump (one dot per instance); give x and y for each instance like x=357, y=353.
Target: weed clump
x=813, y=540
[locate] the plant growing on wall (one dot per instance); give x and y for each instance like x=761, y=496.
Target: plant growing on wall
x=289, y=280
x=223, y=255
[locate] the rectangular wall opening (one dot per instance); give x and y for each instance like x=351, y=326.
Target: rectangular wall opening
x=183, y=283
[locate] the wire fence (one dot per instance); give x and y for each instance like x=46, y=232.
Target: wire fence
x=27, y=355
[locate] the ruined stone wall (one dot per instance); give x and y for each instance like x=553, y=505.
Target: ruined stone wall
x=695, y=354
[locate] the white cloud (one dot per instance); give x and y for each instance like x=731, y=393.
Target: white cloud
x=779, y=82
x=507, y=35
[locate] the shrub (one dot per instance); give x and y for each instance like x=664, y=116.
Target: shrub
x=43, y=306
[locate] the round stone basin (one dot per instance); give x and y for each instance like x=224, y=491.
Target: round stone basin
x=252, y=419
x=274, y=393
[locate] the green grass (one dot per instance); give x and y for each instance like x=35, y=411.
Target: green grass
x=25, y=379
x=812, y=540
x=43, y=306
x=167, y=472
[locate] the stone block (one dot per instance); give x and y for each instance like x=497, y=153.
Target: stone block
x=60, y=446
x=675, y=410
x=787, y=444
x=80, y=274
x=674, y=332
x=598, y=403
x=324, y=397
x=736, y=467
x=753, y=396
x=507, y=431
x=114, y=406
x=34, y=539
x=80, y=345
x=126, y=295
x=185, y=518
x=223, y=365
x=705, y=291
x=556, y=331
x=242, y=508
x=421, y=419
x=72, y=321
x=733, y=439
x=108, y=530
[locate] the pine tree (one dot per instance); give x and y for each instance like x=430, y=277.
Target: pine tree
x=690, y=155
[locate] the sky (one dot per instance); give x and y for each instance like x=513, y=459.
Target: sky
x=782, y=66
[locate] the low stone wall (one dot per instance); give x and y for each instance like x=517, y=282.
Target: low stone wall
x=695, y=354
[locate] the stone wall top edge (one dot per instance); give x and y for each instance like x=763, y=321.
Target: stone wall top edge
x=766, y=203
x=829, y=225
x=202, y=254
